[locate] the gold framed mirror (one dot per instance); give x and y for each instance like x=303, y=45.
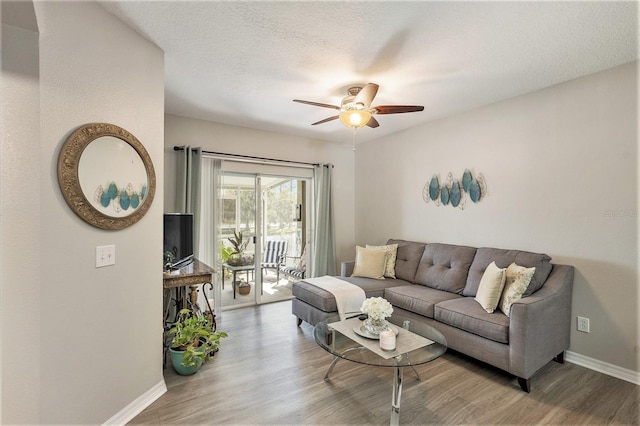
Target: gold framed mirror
x=106, y=176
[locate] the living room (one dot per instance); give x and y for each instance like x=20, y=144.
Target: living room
x=560, y=165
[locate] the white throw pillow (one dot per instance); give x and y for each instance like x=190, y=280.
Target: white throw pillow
x=370, y=263
x=490, y=287
x=516, y=283
x=392, y=252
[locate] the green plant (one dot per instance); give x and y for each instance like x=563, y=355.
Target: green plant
x=225, y=252
x=238, y=243
x=193, y=333
x=168, y=257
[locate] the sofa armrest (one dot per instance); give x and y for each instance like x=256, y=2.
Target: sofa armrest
x=540, y=324
x=346, y=268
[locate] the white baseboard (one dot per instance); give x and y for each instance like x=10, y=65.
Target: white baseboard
x=138, y=405
x=603, y=367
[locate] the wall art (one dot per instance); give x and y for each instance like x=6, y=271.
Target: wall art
x=455, y=192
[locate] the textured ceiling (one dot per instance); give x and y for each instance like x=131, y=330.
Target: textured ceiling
x=243, y=62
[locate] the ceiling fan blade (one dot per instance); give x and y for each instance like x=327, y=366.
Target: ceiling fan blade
x=397, y=109
x=325, y=120
x=366, y=95
x=316, y=104
x=373, y=123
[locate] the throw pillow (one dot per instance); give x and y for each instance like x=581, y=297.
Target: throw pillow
x=516, y=283
x=490, y=287
x=392, y=252
x=369, y=263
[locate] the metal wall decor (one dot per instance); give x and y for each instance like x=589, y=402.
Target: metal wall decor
x=106, y=176
x=454, y=192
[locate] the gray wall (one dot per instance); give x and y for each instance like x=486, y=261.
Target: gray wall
x=561, y=168
x=89, y=340
x=19, y=217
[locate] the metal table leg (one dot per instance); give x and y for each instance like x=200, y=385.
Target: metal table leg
x=395, y=399
x=233, y=284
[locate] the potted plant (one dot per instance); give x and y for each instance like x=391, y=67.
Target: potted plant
x=237, y=258
x=194, y=341
x=244, y=287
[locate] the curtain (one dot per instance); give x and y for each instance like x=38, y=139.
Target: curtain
x=188, y=189
x=323, y=257
x=209, y=223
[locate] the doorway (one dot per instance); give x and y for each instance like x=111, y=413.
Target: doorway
x=266, y=217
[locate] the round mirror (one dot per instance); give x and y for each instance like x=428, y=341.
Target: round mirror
x=106, y=176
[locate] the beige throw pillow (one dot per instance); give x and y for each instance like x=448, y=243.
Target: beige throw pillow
x=516, y=283
x=490, y=287
x=370, y=263
x=392, y=252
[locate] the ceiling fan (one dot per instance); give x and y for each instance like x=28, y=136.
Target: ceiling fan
x=356, y=110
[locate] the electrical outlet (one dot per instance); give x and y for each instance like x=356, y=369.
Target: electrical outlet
x=105, y=256
x=583, y=324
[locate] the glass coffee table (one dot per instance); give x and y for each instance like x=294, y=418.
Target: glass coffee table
x=416, y=344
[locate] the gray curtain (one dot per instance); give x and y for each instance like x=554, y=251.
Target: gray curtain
x=324, y=255
x=188, y=188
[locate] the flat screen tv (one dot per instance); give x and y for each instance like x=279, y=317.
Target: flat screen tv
x=178, y=238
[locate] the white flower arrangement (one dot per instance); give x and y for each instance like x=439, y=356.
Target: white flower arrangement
x=377, y=308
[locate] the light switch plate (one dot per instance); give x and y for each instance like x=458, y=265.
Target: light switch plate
x=105, y=256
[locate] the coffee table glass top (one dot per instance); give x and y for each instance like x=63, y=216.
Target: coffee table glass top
x=352, y=346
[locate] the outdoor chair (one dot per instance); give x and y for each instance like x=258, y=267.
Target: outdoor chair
x=299, y=268
x=274, y=255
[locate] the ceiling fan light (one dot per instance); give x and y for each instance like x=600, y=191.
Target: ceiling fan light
x=355, y=117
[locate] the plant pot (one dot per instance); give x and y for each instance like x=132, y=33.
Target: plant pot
x=177, y=362
x=240, y=260
x=243, y=290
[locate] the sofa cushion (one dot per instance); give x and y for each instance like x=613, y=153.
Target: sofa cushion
x=370, y=263
x=467, y=314
x=490, y=287
x=324, y=300
x=445, y=267
x=417, y=298
x=517, y=279
x=392, y=252
x=407, y=258
x=504, y=258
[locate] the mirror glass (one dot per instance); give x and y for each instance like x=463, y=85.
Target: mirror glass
x=112, y=176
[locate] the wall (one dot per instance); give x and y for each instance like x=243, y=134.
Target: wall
x=19, y=217
x=561, y=167
x=96, y=348
x=243, y=141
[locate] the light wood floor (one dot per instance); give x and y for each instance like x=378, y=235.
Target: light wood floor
x=270, y=372
x=274, y=290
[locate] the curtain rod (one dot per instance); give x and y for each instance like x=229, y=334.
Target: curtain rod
x=249, y=157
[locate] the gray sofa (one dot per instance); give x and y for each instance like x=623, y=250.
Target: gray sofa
x=436, y=284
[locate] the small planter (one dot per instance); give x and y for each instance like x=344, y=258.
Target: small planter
x=243, y=288
x=240, y=260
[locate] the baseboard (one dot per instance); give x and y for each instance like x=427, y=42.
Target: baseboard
x=603, y=367
x=138, y=405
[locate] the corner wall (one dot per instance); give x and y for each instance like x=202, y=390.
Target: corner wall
x=98, y=332
x=561, y=167
x=19, y=217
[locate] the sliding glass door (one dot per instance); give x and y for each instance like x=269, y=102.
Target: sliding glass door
x=262, y=227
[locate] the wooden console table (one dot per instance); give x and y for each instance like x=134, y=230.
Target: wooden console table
x=192, y=276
